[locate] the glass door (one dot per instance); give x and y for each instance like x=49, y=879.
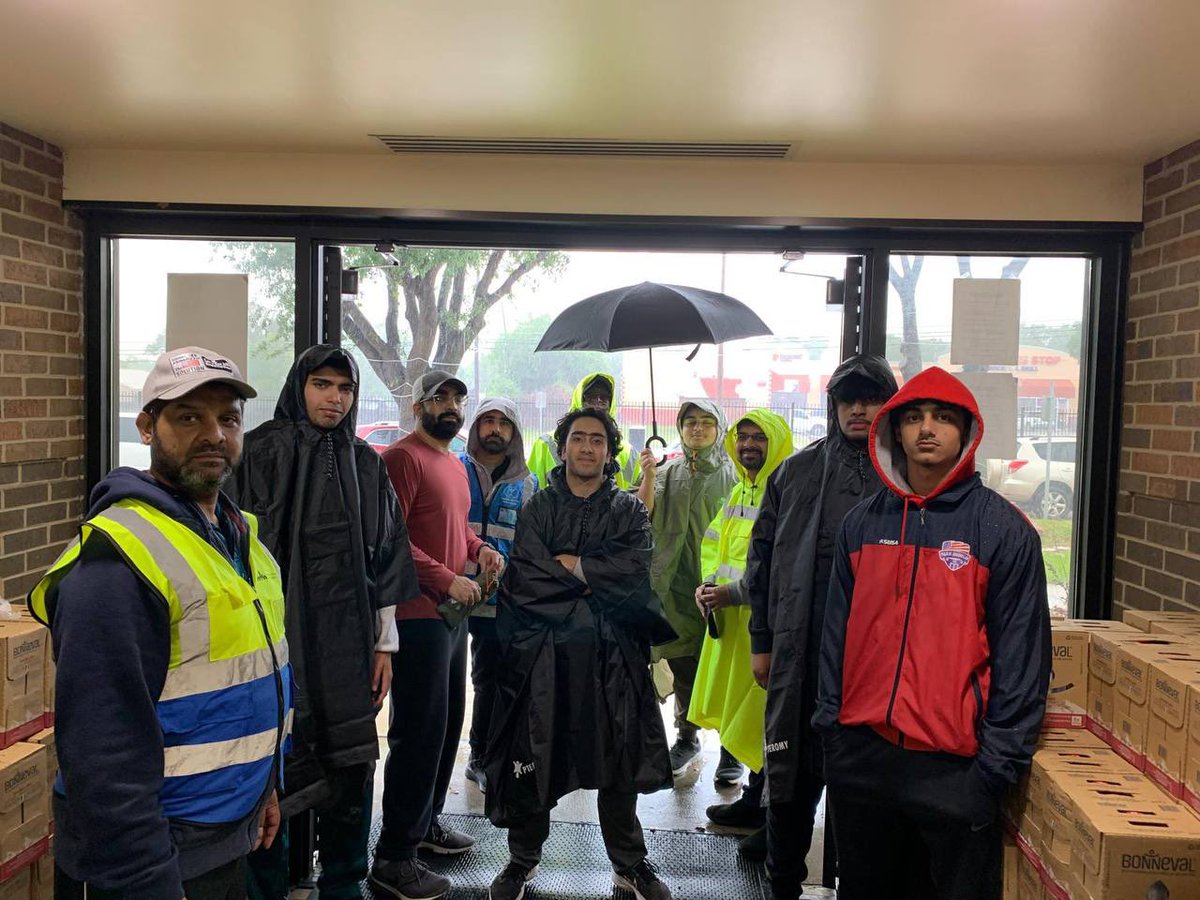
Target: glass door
x=1012, y=329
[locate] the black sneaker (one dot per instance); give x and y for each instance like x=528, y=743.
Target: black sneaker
x=741, y=813
x=474, y=772
x=408, y=879
x=682, y=752
x=729, y=770
x=642, y=879
x=446, y=841
x=510, y=884
x=754, y=845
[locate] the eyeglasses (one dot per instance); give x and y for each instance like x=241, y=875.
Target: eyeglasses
x=699, y=424
x=448, y=400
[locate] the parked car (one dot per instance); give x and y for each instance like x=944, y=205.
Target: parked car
x=381, y=435
x=808, y=426
x=1023, y=480
x=130, y=449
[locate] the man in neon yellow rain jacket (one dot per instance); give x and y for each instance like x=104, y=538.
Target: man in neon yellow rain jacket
x=595, y=391
x=725, y=696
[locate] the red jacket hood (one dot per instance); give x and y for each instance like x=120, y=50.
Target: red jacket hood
x=888, y=459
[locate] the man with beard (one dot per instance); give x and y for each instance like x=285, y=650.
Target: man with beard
x=596, y=391
x=174, y=686
x=430, y=672
x=787, y=578
x=500, y=486
x=683, y=495
x=575, y=707
x=726, y=696
x=328, y=513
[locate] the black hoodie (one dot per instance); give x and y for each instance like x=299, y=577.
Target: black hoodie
x=112, y=643
x=328, y=513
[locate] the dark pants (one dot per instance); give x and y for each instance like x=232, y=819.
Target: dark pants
x=343, y=830
x=429, y=687
x=227, y=882
x=904, y=817
x=877, y=848
x=753, y=791
x=485, y=671
x=789, y=836
x=683, y=670
x=623, y=838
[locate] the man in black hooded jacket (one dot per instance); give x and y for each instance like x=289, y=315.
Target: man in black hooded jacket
x=787, y=578
x=329, y=514
x=575, y=707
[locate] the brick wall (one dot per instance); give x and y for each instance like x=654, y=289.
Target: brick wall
x=1157, y=562
x=41, y=362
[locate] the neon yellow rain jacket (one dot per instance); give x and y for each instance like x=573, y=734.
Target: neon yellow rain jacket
x=544, y=455
x=725, y=696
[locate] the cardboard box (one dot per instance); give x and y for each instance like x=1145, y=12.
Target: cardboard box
x=1012, y=863
x=1144, y=619
x=1066, y=704
x=24, y=806
x=1187, y=629
x=42, y=877
x=45, y=738
x=18, y=886
x=1029, y=880
x=1102, y=713
x=1063, y=789
x=1059, y=738
x=1170, y=722
x=1190, y=787
x=1133, y=667
x=1124, y=851
x=1081, y=760
x=48, y=676
x=23, y=646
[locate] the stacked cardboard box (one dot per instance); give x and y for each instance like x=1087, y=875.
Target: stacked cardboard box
x=1133, y=661
x=45, y=738
x=48, y=671
x=42, y=877
x=23, y=649
x=24, y=807
x=1150, y=620
x=1067, y=703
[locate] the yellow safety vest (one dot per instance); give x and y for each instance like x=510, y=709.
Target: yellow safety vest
x=225, y=707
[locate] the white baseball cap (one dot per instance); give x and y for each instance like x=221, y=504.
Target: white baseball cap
x=181, y=371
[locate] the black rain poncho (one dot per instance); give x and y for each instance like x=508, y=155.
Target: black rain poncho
x=575, y=707
x=807, y=497
x=688, y=493
x=328, y=513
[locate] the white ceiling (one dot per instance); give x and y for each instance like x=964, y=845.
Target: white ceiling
x=1031, y=81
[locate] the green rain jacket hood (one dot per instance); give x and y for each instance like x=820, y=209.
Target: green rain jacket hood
x=779, y=444
x=688, y=492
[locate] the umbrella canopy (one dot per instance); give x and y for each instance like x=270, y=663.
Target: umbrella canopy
x=647, y=315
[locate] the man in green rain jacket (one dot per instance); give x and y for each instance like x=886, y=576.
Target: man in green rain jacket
x=682, y=496
x=595, y=391
x=725, y=696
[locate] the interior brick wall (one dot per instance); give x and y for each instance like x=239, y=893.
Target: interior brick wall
x=41, y=362
x=1157, y=562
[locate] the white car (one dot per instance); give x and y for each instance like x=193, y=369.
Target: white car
x=1024, y=480
x=130, y=449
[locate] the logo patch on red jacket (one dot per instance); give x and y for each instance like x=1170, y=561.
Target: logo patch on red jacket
x=955, y=554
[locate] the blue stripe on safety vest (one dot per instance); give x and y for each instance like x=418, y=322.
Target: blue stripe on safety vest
x=215, y=797
x=222, y=715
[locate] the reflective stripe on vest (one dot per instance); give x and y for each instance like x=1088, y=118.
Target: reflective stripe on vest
x=228, y=674
x=728, y=572
x=749, y=513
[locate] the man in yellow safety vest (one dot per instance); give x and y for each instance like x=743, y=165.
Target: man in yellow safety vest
x=174, y=690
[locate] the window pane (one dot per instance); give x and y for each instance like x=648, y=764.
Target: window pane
x=142, y=270
x=1034, y=467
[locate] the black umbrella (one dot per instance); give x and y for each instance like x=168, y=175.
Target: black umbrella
x=649, y=315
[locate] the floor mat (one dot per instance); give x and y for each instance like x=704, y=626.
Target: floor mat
x=693, y=865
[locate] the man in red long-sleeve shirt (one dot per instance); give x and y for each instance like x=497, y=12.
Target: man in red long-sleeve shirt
x=430, y=671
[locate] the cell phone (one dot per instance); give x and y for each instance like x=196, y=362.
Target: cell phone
x=710, y=618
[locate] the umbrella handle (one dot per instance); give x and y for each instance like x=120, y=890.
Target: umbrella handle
x=653, y=438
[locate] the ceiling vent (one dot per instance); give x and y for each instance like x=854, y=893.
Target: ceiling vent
x=406, y=143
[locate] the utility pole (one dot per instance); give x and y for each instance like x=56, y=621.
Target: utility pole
x=721, y=349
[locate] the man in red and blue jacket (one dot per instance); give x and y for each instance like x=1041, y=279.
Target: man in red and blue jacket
x=935, y=658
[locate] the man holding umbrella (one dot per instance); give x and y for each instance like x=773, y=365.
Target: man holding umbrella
x=595, y=391
x=575, y=707
x=683, y=495
x=787, y=579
